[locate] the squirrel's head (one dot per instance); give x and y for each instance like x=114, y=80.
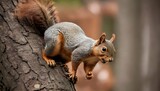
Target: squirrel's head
x=104, y=49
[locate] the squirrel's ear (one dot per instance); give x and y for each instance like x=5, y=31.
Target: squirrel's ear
x=101, y=39
x=113, y=37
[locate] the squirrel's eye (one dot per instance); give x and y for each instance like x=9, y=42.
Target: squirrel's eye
x=104, y=49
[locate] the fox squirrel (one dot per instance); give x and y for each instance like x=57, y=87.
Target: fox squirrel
x=65, y=39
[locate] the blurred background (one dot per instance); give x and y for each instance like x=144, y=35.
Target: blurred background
x=136, y=24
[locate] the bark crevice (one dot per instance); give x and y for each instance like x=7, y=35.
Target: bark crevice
x=21, y=65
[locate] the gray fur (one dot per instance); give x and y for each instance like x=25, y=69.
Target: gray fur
x=50, y=41
x=75, y=39
x=83, y=51
x=49, y=47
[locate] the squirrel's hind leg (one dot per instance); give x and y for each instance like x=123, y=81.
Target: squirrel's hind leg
x=48, y=60
x=52, y=48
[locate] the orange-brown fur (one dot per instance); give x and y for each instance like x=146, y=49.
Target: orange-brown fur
x=58, y=45
x=40, y=14
x=59, y=49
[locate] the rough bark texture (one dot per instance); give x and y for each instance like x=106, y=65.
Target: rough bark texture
x=21, y=65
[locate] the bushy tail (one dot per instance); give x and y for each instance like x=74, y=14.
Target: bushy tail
x=40, y=14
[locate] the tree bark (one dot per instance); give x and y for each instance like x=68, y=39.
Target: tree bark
x=21, y=65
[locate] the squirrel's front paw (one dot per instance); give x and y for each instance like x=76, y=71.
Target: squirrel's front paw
x=73, y=79
x=51, y=62
x=89, y=75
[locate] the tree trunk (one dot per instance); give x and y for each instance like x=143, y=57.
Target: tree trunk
x=129, y=46
x=151, y=45
x=21, y=65
x=137, y=61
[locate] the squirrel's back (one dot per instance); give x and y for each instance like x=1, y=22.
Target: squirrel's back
x=72, y=33
x=66, y=28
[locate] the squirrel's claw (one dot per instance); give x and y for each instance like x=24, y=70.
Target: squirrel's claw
x=73, y=79
x=89, y=75
x=51, y=62
x=68, y=74
x=109, y=59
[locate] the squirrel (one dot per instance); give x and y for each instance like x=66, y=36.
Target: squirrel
x=65, y=39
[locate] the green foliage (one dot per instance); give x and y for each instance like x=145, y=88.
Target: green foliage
x=108, y=25
x=69, y=2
